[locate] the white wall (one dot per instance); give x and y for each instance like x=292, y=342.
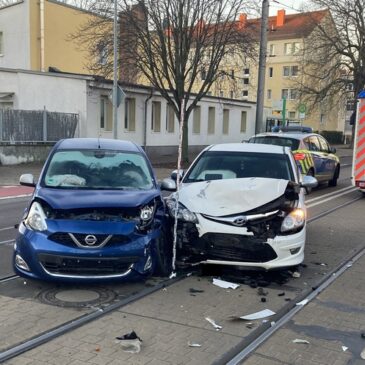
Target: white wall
x=14, y=24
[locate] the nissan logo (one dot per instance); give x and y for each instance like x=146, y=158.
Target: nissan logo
x=240, y=221
x=90, y=240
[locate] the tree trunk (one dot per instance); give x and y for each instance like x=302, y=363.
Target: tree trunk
x=185, y=143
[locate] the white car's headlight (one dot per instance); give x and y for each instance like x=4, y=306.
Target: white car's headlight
x=36, y=219
x=182, y=213
x=294, y=220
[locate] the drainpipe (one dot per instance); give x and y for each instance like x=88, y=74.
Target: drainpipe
x=41, y=11
x=145, y=120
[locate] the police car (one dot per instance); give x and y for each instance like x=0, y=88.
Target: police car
x=312, y=153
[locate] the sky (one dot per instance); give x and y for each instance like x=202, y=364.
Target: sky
x=290, y=6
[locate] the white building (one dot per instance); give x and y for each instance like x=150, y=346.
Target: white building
x=143, y=116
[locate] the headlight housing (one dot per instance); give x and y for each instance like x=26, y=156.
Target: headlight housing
x=36, y=219
x=146, y=215
x=182, y=213
x=294, y=220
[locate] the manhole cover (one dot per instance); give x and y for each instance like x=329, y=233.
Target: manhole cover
x=76, y=297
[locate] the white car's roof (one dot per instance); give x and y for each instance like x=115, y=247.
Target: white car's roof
x=295, y=135
x=248, y=147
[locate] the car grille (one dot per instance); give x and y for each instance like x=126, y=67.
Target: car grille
x=233, y=247
x=80, y=266
x=64, y=238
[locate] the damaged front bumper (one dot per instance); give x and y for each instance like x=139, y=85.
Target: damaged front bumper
x=216, y=243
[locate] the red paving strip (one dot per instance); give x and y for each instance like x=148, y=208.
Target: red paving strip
x=14, y=191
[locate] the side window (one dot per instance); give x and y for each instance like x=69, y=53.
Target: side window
x=324, y=144
x=314, y=144
x=305, y=143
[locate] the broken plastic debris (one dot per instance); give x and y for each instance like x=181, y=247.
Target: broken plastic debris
x=272, y=323
x=97, y=349
x=363, y=335
x=261, y=291
x=193, y=290
x=130, y=343
x=296, y=274
x=362, y=355
x=258, y=315
x=303, y=302
x=263, y=300
x=225, y=284
x=172, y=275
x=299, y=340
x=194, y=344
x=215, y=325
x=250, y=325
x=344, y=348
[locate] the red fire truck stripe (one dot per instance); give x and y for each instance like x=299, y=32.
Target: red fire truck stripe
x=359, y=175
x=362, y=120
x=360, y=164
x=361, y=132
x=360, y=153
x=360, y=142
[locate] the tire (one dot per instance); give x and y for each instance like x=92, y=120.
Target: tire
x=336, y=174
x=163, y=255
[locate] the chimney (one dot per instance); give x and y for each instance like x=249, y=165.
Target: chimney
x=242, y=21
x=280, y=18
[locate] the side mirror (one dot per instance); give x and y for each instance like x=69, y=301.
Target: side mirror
x=168, y=184
x=309, y=182
x=332, y=150
x=27, y=180
x=175, y=172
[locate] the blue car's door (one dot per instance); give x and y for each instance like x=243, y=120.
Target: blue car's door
x=330, y=158
x=319, y=158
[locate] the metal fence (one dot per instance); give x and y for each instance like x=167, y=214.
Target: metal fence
x=36, y=125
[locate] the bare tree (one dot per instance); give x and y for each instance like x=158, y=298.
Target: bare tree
x=333, y=68
x=176, y=46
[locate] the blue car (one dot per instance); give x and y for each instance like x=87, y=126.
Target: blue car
x=96, y=214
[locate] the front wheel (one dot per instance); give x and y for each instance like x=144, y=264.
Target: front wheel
x=336, y=174
x=163, y=257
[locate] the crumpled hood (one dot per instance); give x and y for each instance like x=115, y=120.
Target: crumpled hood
x=75, y=199
x=230, y=196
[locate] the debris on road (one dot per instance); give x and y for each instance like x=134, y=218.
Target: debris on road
x=303, y=302
x=281, y=294
x=298, y=340
x=261, y=291
x=194, y=344
x=363, y=335
x=258, y=315
x=130, y=342
x=172, y=275
x=263, y=299
x=344, y=348
x=362, y=355
x=225, y=284
x=250, y=325
x=215, y=325
x=296, y=274
x=193, y=290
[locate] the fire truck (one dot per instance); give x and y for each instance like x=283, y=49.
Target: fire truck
x=358, y=162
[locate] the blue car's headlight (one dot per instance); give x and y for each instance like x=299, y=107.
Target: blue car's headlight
x=182, y=213
x=146, y=215
x=36, y=219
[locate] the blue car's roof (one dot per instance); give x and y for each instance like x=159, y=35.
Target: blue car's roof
x=94, y=143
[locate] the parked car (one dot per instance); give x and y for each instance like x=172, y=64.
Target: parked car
x=96, y=214
x=241, y=205
x=313, y=154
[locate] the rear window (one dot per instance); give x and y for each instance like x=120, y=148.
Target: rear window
x=230, y=165
x=278, y=141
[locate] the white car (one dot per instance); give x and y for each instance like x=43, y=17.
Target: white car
x=242, y=205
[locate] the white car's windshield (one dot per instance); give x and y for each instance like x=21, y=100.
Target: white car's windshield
x=230, y=165
x=98, y=169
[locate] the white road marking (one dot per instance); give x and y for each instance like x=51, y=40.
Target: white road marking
x=329, y=194
x=15, y=196
x=6, y=228
x=332, y=197
x=6, y=242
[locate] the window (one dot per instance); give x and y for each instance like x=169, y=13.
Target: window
x=130, y=114
x=1, y=43
x=170, y=119
x=324, y=145
x=290, y=71
x=296, y=47
x=221, y=93
x=271, y=72
x=246, y=81
x=196, y=120
x=289, y=94
x=269, y=94
x=102, y=53
x=291, y=115
x=291, y=48
x=225, y=121
x=245, y=93
x=232, y=74
x=246, y=71
x=313, y=144
x=231, y=94
x=272, y=50
x=211, y=120
x=286, y=71
x=156, y=116
x=243, y=121
x=106, y=114
x=203, y=74
x=287, y=49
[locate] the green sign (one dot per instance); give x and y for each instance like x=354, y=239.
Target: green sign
x=302, y=108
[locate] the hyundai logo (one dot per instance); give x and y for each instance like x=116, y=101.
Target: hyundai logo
x=240, y=221
x=90, y=240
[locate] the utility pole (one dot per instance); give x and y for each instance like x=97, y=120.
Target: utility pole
x=115, y=80
x=262, y=66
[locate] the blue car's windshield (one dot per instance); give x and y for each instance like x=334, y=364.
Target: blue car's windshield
x=98, y=169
